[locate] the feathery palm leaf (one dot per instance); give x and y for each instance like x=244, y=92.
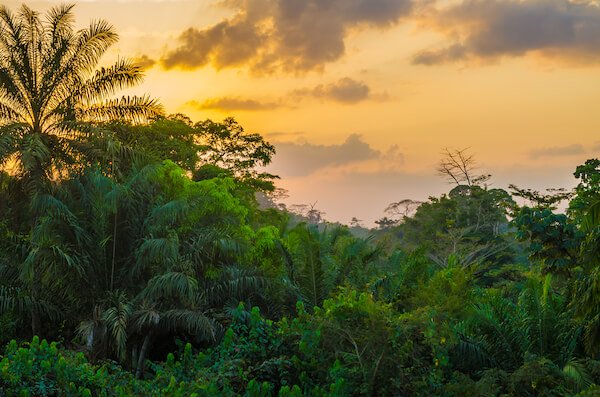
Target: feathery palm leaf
x=48, y=86
x=116, y=317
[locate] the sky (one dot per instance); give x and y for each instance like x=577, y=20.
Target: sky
x=361, y=97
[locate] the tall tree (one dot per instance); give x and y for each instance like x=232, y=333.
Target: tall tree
x=458, y=166
x=226, y=145
x=51, y=96
x=50, y=90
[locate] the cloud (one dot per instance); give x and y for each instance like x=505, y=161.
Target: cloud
x=557, y=151
x=452, y=53
x=281, y=35
x=300, y=159
x=229, y=43
x=492, y=29
x=233, y=103
x=393, y=155
x=128, y=1
x=144, y=61
x=280, y=134
x=345, y=90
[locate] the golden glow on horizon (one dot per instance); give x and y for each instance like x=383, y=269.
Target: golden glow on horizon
x=505, y=109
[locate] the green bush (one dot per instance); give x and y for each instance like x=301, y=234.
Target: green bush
x=42, y=369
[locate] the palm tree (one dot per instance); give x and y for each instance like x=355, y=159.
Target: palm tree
x=313, y=267
x=177, y=267
x=51, y=96
x=50, y=92
x=505, y=334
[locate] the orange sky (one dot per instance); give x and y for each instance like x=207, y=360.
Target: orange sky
x=361, y=96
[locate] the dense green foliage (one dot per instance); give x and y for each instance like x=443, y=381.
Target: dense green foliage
x=136, y=242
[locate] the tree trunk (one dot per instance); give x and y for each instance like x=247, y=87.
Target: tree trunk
x=134, y=357
x=114, y=237
x=35, y=322
x=35, y=313
x=140, y=364
x=36, y=281
x=114, y=252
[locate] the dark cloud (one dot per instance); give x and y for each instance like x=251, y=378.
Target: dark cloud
x=454, y=52
x=280, y=134
x=144, y=61
x=557, y=151
x=491, y=29
x=229, y=43
x=299, y=159
x=282, y=35
x=233, y=103
x=344, y=90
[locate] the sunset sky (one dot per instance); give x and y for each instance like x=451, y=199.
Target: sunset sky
x=360, y=97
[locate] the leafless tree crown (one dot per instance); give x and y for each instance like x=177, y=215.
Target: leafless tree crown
x=458, y=166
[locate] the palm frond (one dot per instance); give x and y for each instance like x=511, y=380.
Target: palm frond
x=190, y=321
x=92, y=43
x=171, y=285
x=233, y=283
x=156, y=250
x=48, y=83
x=11, y=299
x=592, y=218
x=576, y=372
x=116, y=317
x=145, y=317
x=138, y=109
x=107, y=81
